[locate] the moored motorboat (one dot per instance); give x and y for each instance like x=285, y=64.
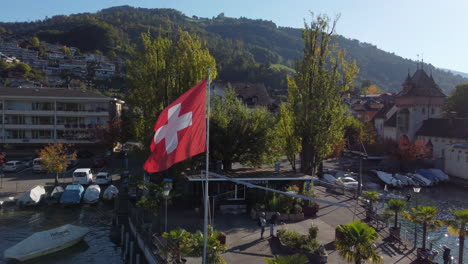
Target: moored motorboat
x=110, y=193
x=56, y=193
x=33, y=196
x=91, y=194
x=46, y=242
x=72, y=194
x=423, y=181
x=439, y=174
x=387, y=178
x=428, y=175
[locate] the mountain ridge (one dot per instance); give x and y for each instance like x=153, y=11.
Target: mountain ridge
x=243, y=48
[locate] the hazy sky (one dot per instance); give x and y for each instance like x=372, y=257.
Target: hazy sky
x=437, y=29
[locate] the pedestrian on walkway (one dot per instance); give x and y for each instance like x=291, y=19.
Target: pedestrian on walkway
x=262, y=223
x=447, y=257
x=273, y=220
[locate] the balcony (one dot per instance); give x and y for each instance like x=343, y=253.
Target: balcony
x=82, y=113
x=29, y=112
x=29, y=126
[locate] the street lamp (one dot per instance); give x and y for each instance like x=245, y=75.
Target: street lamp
x=416, y=190
x=167, y=187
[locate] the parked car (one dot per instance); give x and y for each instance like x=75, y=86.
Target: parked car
x=347, y=182
x=103, y=178
x=14, y=165
x=82, y=176
x=38, y=166
x=99, y=162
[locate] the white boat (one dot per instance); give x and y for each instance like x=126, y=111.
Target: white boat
x=92, y=194
x=46, y=242
x=387, y=178
x=110, y=193
x=33, y=196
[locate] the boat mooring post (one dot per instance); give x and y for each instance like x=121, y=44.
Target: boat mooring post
x=137, y=259
x=122, y=232
x=131, y=252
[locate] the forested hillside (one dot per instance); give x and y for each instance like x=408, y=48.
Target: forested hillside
x=244, y=49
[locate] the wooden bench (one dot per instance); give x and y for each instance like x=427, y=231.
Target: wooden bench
x=398, y=241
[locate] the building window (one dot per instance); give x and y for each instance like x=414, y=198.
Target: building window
x=442, y=153
x=432, y=111
x=236, y=192
x=466, y=159
x=423, y=110
x=458, y=157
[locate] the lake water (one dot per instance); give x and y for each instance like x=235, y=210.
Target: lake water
x=445, y=198
x=97, y=247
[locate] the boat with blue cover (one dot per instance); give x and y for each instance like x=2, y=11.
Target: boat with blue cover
x=72, y=194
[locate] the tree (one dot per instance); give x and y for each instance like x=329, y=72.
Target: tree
x=459, y=227
x=314, y=92
x=288, y=140
x=35, y=42
x=372, y=197
x=372, y=89
x=161, y=72
x=396, y=207
x=292, y=259
x=457, y=100
x=55, y=158
x=412, y=150
x=214, y=247
x=424, y=216
x=178, y=243
x=357, y=243
x=241, y=134
x=110, y=134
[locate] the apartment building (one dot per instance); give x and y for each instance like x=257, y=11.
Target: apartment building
x=35, y=116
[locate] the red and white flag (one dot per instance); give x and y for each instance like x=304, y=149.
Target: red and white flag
x=180, y=131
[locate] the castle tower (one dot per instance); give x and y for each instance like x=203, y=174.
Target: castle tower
x=420, y=99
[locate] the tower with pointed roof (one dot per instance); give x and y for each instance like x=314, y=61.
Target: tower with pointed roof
x=420, y=99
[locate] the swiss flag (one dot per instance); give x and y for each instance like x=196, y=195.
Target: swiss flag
x=180, y=131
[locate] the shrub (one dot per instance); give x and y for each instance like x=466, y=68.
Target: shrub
x=313, y=231
x=298, y=242
x=297, y=209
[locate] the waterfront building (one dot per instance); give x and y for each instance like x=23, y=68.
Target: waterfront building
x=35, y=116
x=456, y=160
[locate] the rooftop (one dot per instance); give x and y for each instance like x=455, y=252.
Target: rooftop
x=252, y=174
x=445, y=128
x=421, y=85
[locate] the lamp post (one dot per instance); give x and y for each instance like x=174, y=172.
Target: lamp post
x=416, y=190
x=167, y=183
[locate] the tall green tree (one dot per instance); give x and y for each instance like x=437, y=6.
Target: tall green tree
x=287, y=139
x=426, y=217
x=457, y=100
x=241, y=134
x=396, y=206
x=160, y=72
x=315, y=91
x=459, y=227
x=357, y=244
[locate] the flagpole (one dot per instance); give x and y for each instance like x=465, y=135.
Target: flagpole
x=205, y=198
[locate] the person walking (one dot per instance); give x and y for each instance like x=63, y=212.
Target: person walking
x=273, y=220
x=446, y=256
x=262, y=223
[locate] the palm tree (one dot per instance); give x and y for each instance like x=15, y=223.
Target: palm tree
x=372, y=197
x=357, y=243
x=214, y=247
x=459, y=227
x=292, y=259
x=396, y=207
x=178, y=243
x=425, y=216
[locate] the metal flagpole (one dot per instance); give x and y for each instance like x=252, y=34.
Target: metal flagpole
x=205, y=202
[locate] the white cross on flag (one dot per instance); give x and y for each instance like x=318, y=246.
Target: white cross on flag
x=180, y=131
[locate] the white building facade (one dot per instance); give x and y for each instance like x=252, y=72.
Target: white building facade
x=49, y=115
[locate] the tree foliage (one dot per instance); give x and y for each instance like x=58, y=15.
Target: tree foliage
x=357, y=243
x=458, y=226
x=315, y=91
x=457, y=101
x=395, y=207
x=426, y=217
x=159, y=73
x=412, y=150
x=110, y=134
x=241, y=134
x=55, y=158
x=288, y=141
